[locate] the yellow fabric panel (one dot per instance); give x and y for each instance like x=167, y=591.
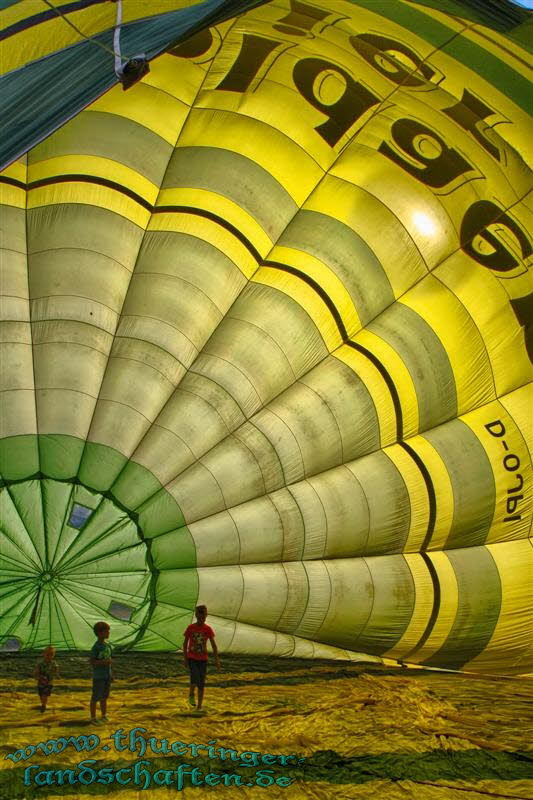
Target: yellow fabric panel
x=494, y=318
x=443, y=490
x=519, y=404
x=106, y=168
x=294, y=169
x=410, y=201
x=209, y=231
x=52, y=35
x=418, y=497
x=513, y=634
x=326, y=279
x=422, y=610
x=92, y=194
x=449, y=600
x=180, y=78
x=223, y=207
x=12, y=195
x=400, y=377
x=461, y=339
x=375, y=223
x=155, y=109
x=377, y=387
x=297, y=290
x=514, y=485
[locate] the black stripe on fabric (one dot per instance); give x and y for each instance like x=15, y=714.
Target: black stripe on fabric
x=13, y=182
x=44, y=16
x=430, y=490
x=96, y=180
x=317, y=288
x=434, y=611
x=390, y=386
x=202, y=212
x=427, y=560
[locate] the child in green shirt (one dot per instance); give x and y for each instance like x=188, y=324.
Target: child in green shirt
x=100, y=660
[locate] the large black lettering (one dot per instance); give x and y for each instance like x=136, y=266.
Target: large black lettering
x=440, y=164
x=379, y=52
x=300, y=19
x=468, y=114
x=523, y=308
x=486, y=221
x=252, y=56
x=354, y=101
x=197, y=45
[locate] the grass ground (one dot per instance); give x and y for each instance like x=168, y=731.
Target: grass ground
x=361, y=732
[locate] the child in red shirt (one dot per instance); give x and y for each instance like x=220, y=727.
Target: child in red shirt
x=195, y=653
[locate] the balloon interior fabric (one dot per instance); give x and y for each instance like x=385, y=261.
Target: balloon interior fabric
x=267, y=341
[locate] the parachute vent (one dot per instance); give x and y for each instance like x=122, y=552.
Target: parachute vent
x=79, y=516
x=121, y=611
x=12, y=645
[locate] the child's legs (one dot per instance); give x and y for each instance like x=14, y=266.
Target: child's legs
x=100, y=694
x=202, y=670
x=44, y=693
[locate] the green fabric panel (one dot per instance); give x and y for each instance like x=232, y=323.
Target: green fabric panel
x=83, y=497
x=178, y=588
x=167, y=550
x=472, y=479
x=426, y=359
x=100, y=466
x=480, y=597
x=98, y=133
x=56, y=506
x=67, y=625
x=60, y=455
x=135, y=485
x=106, y=531
x=192, y=260
x=13, y=231
x=387, y=501
x=350, y=603
x=334, y=382
x=236, y=177
x=84, y=227
x=19, y=457
x=160, y=514
x=523, y=34
x=392, y=606
x=17, y=546
x=167, y=625
x=347, y=255
x=27, y=498
x=500, y=75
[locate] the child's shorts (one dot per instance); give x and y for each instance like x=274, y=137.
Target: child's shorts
x=198, y=671
x=45, y=689
x=101, y=688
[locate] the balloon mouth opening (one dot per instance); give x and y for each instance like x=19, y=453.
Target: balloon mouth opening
x=85, y=555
